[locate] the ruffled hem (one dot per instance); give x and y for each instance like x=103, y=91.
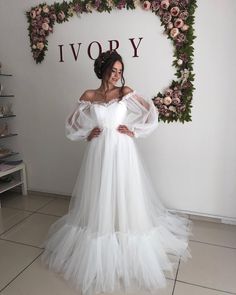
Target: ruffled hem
x=117, y=261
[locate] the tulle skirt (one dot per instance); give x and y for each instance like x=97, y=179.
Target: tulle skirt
x=117, y=235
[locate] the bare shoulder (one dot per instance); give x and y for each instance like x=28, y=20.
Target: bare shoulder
x=88, y=95
x=126, y=90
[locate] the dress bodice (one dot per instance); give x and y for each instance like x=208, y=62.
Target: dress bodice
x=109, y=114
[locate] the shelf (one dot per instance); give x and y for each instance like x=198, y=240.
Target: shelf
x=8, y=135
x=8, y=155
x=8, y=116
x=7, y=95
x=8, y=185
x=7, y=75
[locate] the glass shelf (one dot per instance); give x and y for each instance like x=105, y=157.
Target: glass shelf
x=8, y=116
x=8, y=135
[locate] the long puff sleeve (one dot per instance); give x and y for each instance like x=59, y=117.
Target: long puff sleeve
x=80, y=122
x=142, y=117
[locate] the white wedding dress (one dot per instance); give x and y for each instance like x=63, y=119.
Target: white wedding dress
x=117, y=235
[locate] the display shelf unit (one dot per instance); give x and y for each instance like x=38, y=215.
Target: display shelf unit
x=16, y=173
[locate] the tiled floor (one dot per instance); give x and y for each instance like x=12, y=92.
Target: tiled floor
x=24, y=222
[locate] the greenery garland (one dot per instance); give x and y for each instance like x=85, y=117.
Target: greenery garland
x=177, y=17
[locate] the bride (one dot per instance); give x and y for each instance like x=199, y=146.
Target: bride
x=117, y=235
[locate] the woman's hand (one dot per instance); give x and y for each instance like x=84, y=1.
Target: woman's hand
x=124, y=129
x=94, y=133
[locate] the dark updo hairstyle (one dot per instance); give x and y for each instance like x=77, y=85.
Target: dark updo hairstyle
x=104, y=63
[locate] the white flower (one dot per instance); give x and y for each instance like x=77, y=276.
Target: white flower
x=45, y=9
x=179, y=62
x=40, y=45
x=172, y=108
x=167, y=100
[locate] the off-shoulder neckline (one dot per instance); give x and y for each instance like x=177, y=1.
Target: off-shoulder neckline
x=110, y=101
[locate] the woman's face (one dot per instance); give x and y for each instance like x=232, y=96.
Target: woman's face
x=116, y=73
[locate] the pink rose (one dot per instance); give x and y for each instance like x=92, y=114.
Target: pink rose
x=33, y=14
x=53, y=16
x=38, y=10
x=167, y=100
x=61, y=15
x=168, y=92
x=184, y=15
x=176, y=100
x=165, y=4
x=155, y=5
x=146, y=5
x=174, y=32
x=170, y=26
x=166, y=18
x=178, y=23
x=45, y=26
x=175, y=11
x=185, y=28
x=46, y=20
x=180, y=38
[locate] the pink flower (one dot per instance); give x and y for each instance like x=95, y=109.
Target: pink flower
x=185, y=28
x=45, y=26
x=165, y=4
x=178, y=23
x=53, y=16
x=184, y=15
x=174, y=2
x=33, y=14
x=180, y=38
x=170, y=26
x=166, y=18
x=146, y=5
x=174, y=32
x=174, y=11
x=168, y=92
x=38, y=10
x=61, y=15
x=46, y=20
x=155, y=5
x=183, y=3
x=176, y=100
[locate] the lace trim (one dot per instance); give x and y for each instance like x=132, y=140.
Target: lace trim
x=109, y=102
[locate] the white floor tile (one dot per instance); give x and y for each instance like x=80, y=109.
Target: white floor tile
x=215, y=233
x=29, y=202
x=56, y=207
x=37, y=280
x=14, y=258
x=9, y=217
x=31, y=231
x=211, y=266
x=186, y=289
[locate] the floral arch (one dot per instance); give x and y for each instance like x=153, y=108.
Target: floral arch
x=177, y=18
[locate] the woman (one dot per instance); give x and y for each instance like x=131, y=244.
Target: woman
x=116, y=234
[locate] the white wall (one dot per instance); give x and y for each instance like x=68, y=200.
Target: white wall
x=192, y=165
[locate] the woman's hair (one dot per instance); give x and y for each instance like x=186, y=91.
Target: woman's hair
x=104, y=63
